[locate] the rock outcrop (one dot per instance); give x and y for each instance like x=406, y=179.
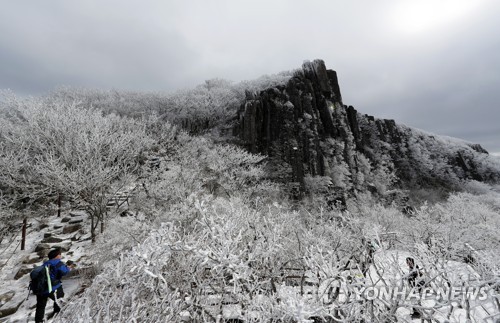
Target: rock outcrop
x=309, y=133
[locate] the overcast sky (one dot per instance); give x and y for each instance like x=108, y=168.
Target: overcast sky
x=430, y=64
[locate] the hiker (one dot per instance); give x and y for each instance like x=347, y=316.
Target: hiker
x=57, y=269
x=414, y=274
x=414, y=280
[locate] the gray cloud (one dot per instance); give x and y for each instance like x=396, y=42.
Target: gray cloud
x=431, y=65
x=88, y=45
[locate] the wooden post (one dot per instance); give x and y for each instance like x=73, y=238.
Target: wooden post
x=23, y=234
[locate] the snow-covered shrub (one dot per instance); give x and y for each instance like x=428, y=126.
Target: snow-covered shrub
x=476, y=187
x=124, y=103
x=317, y=184
x=231, y=252
x=205, y=106
x=202, y=167
x=268, y=263
x=131, y=288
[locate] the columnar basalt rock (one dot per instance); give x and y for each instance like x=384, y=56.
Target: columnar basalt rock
x=292, y=122
x=307, y=131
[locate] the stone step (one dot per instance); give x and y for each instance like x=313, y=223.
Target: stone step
x=52, y=240
x=30, y=259
x=75, y=221
x=64, y=246
x=115, y=201
x=77, y=214
x=71, y=228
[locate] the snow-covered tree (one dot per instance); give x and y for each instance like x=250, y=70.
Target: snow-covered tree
x=53, y=148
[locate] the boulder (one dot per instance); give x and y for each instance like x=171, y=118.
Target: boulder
x=42, y=247
x=76, y=237
x=57, y=226
x=11, y=305
x=65, y=219
x=6, y=297
x=64, y=246
x=42, y=253
x=31, y=259
x=23, y=271
x=9, y=310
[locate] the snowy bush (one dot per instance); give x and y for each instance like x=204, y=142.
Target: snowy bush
x=205, y=106
x=268, y=263
x=55, y=148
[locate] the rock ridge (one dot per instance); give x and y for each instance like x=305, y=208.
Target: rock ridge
x=307, y=131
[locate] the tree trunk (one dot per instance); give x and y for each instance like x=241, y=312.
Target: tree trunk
x=59, y=206
x=92, y=228
x=23, y=234
x=102, y=226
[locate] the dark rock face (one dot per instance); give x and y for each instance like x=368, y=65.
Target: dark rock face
x=307, y=131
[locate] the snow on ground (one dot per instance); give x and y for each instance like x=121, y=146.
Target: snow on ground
x=390, y=269
x=68, y=232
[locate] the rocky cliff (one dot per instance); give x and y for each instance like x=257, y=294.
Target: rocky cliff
x=317, y=143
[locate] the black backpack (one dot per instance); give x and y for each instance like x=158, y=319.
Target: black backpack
x=40, y=280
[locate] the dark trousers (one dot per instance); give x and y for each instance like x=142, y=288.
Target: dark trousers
x=41, y=302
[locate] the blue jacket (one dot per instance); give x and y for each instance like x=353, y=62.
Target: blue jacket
x=57, y=270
